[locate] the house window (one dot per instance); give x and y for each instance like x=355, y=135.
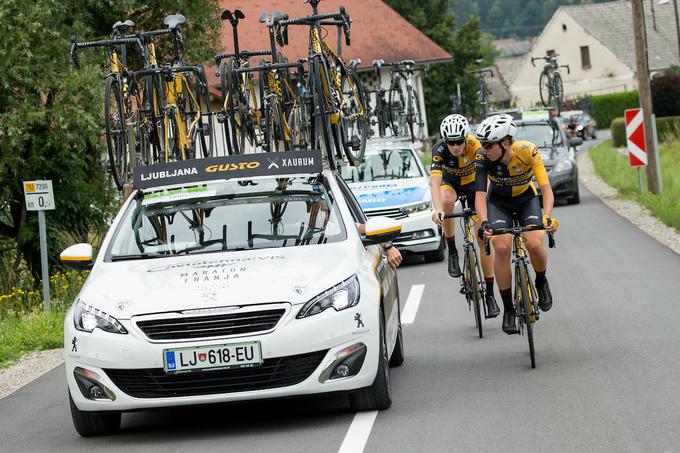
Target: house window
x=550, y=53
x=585, y=57
x=564, y=27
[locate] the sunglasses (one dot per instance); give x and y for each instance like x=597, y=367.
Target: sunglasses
x=456, y=142
x=487, y=145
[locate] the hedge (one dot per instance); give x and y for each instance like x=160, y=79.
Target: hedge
x=666, y=128
x=606, y=107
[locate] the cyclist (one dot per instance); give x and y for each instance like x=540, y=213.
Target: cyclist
x=510, y=166
x=452, y=175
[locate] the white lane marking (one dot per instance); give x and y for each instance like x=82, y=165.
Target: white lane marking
x=408, y=315
x=359, y=430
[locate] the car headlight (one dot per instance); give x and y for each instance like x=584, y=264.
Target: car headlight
x=87, y=318
x=580, y=127
x=562, y=166
x=340, y=297
x=417, y=207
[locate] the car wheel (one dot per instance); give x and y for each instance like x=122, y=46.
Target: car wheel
x=436, y=255
x=576, y=198
x=90, y=424
x=594, y=136
x=397, y=357
x=378, y=395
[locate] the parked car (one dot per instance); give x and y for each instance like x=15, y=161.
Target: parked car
x=579, y=124
x=557, y=154
x=393, y=182
x=241, y=278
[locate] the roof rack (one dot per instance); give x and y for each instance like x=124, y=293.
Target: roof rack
x=227, y=167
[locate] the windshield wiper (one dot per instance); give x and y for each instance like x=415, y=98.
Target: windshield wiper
x=140, y=256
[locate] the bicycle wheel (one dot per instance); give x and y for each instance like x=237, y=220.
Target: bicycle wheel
x=354, y=117
x=395, y=109
x=321, y=131
x=299, y=122
x=156, y=107
x=524, y=312
x=558, y=90
x=203, y=138
x=473, y=282
x=413, y=116
x=116, y=131
x=227, y=113
x=544, y=89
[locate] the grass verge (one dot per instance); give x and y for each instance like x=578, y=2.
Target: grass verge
x=28, y=332
x=614, y=169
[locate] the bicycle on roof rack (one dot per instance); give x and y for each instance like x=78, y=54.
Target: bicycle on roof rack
x=482, y=92
x=550, y=84
x=404, y=100
x=339, y=116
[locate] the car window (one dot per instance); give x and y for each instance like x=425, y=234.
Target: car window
x=227, y=216
x=541, y=134
x=383, y=165
x=354, y=207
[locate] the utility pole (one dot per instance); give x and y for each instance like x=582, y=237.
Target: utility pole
x=645, y=90
x=677, y=23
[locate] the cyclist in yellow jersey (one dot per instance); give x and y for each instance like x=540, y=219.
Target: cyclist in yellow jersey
x=509, y=166
x=452, y=175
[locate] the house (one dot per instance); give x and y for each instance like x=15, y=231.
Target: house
x=596, y=41
x=377, y=32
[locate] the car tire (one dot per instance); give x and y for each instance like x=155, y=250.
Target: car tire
x=436, y=255
x=378, y=395
x=576, y=198
x=594, y=136
x=397, y=357
x=89, y=424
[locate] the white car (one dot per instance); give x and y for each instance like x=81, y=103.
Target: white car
x=392, y=182
x=220, y=280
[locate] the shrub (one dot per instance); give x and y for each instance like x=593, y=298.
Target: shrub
x=606, y=107
x=666, y=95
x=667, y=129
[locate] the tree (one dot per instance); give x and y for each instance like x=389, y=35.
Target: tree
x=51, y=115
x=435, y=19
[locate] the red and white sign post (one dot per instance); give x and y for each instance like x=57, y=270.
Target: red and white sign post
x=635, y=136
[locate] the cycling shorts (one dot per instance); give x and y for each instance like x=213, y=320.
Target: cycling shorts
x=468, y=190
x=525, y=209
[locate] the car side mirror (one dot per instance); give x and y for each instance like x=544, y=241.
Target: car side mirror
x=381, y=229
x=78, y=257
x=575, y=141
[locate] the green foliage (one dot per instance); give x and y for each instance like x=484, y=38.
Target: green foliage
x=667, y=129
x=615, y=170
x=36, y=331
x=606, y=107
x=465, y=43
x=666, y=95
x=51, y=122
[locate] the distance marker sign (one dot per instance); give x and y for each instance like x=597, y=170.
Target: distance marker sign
x=39, y=195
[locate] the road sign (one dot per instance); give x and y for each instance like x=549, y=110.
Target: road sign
x=39, y=195
x=635, y=134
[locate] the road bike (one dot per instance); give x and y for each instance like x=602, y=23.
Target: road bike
x=121, y=97
x=550, y=84
x=404, y=100
x=525, y=297
x=483, y=93
x=472, y=283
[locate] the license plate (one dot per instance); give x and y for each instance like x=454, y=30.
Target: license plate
x=238, y=355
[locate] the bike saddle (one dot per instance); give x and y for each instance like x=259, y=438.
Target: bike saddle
x=408, y=62
x=354, y=62
x=234, y=17
x=378, y=63
x=174, y=20
x=124, y=24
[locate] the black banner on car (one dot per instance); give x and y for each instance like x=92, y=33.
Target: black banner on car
x=227, y=167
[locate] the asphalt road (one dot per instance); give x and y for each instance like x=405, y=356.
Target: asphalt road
x=608, y=361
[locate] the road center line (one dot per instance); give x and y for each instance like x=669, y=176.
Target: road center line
x=359, y=430
x=408, y=315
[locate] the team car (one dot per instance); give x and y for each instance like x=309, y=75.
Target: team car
x=392, y=182
x=233, y=278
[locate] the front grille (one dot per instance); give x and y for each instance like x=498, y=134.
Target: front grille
x=273, y=373
x=394, y=213
x=194, y=327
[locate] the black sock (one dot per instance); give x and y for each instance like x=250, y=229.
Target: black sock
x=489, y=285
x=540, y=277
x=506, y=295
x=451, y=242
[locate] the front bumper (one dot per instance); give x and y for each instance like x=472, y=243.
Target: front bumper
x=131, y=366
x=564, y=184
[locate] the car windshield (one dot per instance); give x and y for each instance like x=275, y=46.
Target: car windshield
x=227, y=216
x=384, y=164
x=541, y=134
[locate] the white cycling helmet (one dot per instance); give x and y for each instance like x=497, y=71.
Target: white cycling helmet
x=454, y=127
x=495, y=128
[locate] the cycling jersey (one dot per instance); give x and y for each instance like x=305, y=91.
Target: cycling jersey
x=457, y=171
x=513, y=179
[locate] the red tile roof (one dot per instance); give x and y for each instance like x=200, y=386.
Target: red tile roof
x=377, y=31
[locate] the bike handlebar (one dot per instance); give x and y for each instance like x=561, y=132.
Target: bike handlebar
x=518, y=230
x=242, y=55
x=75, y=45
x=465, y=213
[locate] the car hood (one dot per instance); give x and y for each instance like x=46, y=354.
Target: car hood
x=390, y=193
x=550, y=157
x=296, y=274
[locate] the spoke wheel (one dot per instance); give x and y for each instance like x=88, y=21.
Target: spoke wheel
x=475, y=293
x=203, y=138
x=523, y=310
x=558, y=90
x=116, y=131
x=414, y=117
x=355, y=117
x=544, y=89
x=321, y=132
x=395, y=109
